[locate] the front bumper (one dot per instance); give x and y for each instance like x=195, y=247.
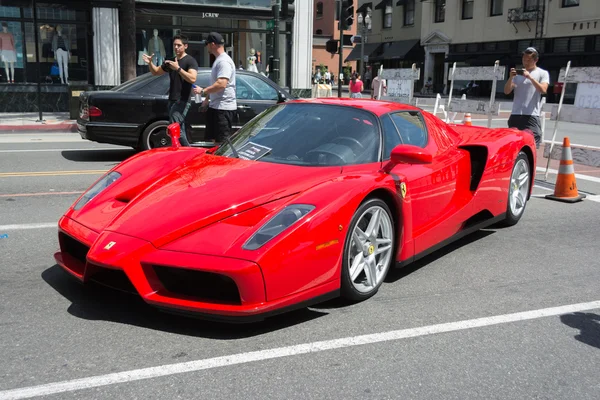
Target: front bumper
x=196, y=284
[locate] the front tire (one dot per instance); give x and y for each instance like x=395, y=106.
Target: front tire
x=368, y=250
x=518, y=190
x=155, y=135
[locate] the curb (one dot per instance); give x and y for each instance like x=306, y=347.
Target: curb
x=61, y=127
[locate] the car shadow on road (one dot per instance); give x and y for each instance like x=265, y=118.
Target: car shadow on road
x=105, y=155
x=399, y=273
x=395, y=274
x=97, y=303
x=588, y=324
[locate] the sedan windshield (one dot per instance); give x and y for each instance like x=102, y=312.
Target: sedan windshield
x=308, y=134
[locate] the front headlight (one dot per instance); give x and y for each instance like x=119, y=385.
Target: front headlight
x=280, y=222
x=92, y=192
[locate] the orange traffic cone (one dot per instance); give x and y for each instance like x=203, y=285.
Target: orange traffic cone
x=467, y=120
x=566, y=187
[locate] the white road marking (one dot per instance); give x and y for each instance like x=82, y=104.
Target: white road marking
x=578, y=176
x=306, y=348
x=19, y=227
x=46, y=150
x=541, y=187
x=595, y=198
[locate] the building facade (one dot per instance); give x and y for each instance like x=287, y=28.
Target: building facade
x=65, y=43
x=325, y=27
x=478, y=32
x=393, y=37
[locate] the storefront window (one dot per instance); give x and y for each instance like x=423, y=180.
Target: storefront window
x=11, y=52
x=9, y=12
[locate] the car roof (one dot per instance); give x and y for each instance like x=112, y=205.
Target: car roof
x=377, y=107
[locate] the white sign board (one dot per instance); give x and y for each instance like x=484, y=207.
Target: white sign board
x=580, y=75
x=474, y=107
x=570, y=113
x=399, y=88
x=478, y=73
x=401, y=74
x=588, y=95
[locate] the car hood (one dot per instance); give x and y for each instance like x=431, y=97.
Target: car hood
x=206, y=190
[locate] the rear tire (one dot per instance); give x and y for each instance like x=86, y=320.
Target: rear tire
x=368, y=250
x=154, y=136
x=518, y=190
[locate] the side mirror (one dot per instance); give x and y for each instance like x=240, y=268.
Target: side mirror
x=408, y=154
x=281, y=98
x=174, y=131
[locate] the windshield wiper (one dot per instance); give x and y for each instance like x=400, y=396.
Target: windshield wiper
x=235, y=153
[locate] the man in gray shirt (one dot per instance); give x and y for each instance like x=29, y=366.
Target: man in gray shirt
x=222, y=106
x=529, y=84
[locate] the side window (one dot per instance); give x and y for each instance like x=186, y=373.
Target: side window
x=411, y=127
x=391, y=138
x=253, y=88
x=157, y=86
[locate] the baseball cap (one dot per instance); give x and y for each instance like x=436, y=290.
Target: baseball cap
x=531, y=50
x=214, y=37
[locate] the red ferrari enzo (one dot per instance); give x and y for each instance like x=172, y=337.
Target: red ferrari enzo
x=310, y=200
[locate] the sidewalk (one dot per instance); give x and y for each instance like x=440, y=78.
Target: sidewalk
x=27, y=122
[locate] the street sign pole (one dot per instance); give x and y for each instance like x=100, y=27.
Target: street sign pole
x=362, y=54
x=276, y=4
x=341, y=52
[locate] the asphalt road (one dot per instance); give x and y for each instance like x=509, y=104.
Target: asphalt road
x=475, y=320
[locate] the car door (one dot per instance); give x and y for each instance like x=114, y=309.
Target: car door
x=436, y=189
x=254, y=95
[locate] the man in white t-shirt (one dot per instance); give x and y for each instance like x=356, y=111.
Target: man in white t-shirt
x=220, y=104
x=529, y=83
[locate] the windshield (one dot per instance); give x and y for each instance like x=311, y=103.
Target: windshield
x=308, y=134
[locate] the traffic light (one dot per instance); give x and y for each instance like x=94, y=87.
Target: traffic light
x=287, y=8
x=347, y=13
x=331, y=46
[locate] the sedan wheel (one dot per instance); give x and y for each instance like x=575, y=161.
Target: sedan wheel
x=368, y=251
x=518, y=191
x=155, y=135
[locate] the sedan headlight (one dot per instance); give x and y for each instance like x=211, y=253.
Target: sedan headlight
x=92, y=192
x=280, y=222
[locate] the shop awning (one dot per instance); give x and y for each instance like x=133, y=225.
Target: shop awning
x=363, y=8
x=459, y=57
x=370, y=48
x=383, y=3
x=399, y=50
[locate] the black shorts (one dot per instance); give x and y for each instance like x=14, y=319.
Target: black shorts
x=530, y=122
x=218, y=124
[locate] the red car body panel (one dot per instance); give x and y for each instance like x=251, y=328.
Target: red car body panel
x=185, y=211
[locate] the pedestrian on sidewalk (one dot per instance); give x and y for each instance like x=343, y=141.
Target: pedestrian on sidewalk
x=220, y=105
x=356, y=87
x=182, y=70
x=528, y=83
x=379, y=85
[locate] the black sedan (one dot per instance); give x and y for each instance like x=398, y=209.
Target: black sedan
x=135, y=113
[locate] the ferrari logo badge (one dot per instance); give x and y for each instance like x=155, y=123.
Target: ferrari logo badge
x=403, y=189
x=371, y=249
x=109, y=245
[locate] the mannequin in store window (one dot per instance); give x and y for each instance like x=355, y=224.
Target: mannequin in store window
x=62, y=53
x=8, y=53
x=252, y=61
x=142, y=46
x=157, y=47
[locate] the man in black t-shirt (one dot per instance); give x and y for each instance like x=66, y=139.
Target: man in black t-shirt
x=182, y=74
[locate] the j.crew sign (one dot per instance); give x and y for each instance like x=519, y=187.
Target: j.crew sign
x=210, y=15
